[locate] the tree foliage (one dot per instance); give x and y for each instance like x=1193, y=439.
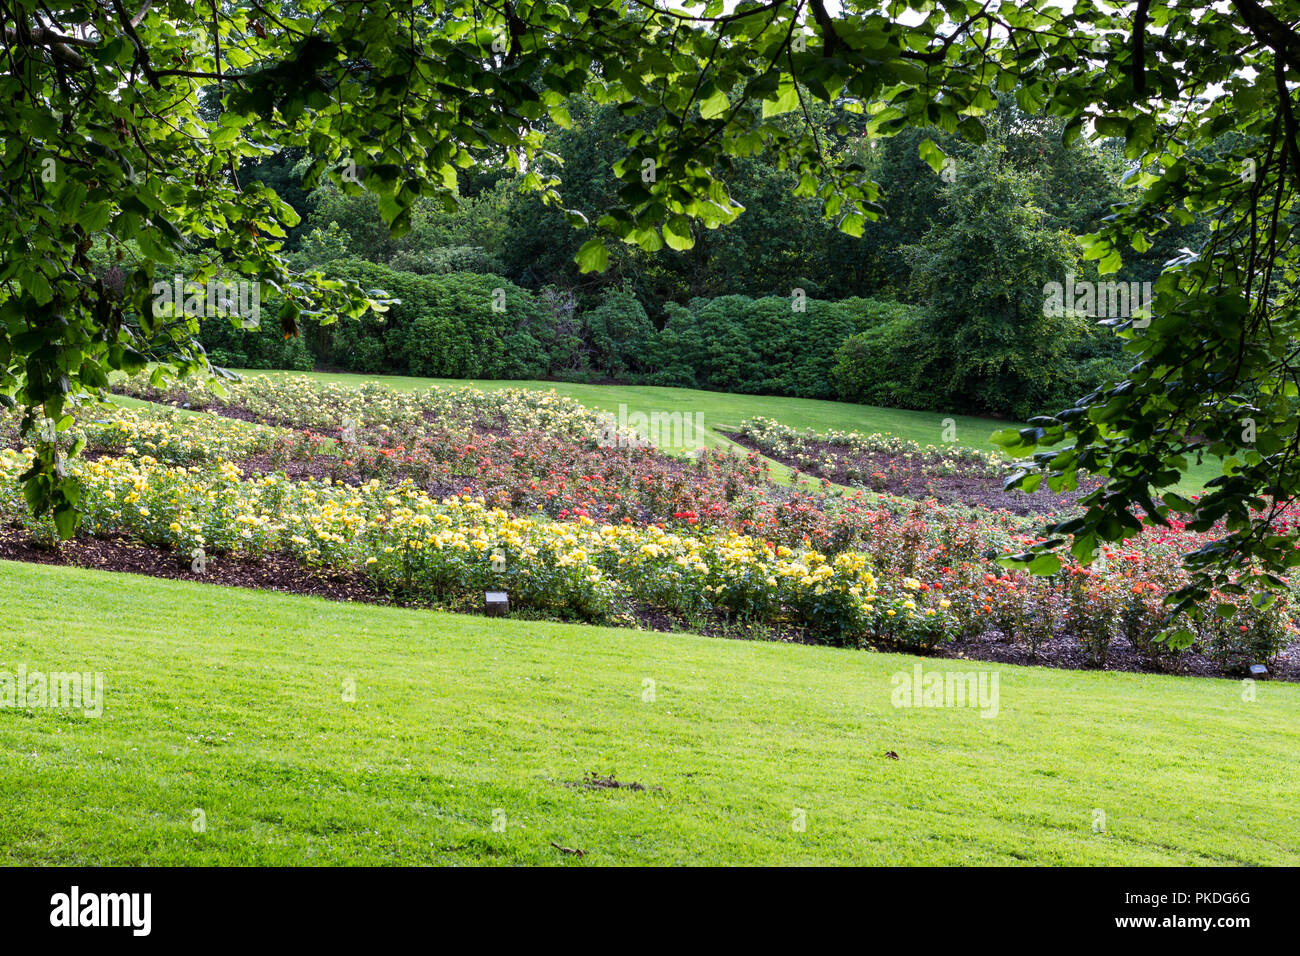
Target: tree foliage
x=133, y=124
x=986, y=343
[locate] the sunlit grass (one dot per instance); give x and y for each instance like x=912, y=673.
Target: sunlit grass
x=232, y=703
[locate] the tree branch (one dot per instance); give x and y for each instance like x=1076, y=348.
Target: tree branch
x=1139, y=64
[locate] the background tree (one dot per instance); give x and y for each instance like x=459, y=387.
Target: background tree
x=985, y=341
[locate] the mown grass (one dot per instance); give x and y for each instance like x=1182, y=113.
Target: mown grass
x=231, y=702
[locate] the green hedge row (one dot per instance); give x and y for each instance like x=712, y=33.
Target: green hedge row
x=771, y=346
x=470, y=325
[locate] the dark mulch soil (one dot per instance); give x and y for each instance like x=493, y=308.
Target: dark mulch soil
x=282, y=573
x=1066, y=653
x=243, y=414
x=183, y=400
x=275, y=572
x=594, y=781
x=906, y=480
x=319, y=468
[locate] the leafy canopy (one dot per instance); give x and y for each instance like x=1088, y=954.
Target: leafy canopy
x=129, y=125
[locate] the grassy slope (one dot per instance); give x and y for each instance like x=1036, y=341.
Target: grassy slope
x=230, y=701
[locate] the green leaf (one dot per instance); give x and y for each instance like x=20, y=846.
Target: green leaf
x=853, y=224
x=932, y=154
x=715, y=105
x=34, y=281
x=1045, y=564
x=592, y=256
x=677, y=233
x=94, y=216
x=66, y=518
x=973, y=130
x=787, y=99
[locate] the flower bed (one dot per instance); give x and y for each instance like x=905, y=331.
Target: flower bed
x=920, y=579
x=884, y=463
x=373, y=413
x=172, y=438
x=520, y=450
x=841, y=452
x=419, y=492
x=416, y=546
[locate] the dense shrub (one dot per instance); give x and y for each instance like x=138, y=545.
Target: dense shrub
x=760, y=346
x=478, y=326
x=878, y=366
x=253, y=341
x=376, y=342
x=262, y=347
x=440, y=260
x=619, y=335
x=456, y=325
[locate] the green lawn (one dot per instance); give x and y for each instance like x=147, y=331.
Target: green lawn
x=231, y=702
